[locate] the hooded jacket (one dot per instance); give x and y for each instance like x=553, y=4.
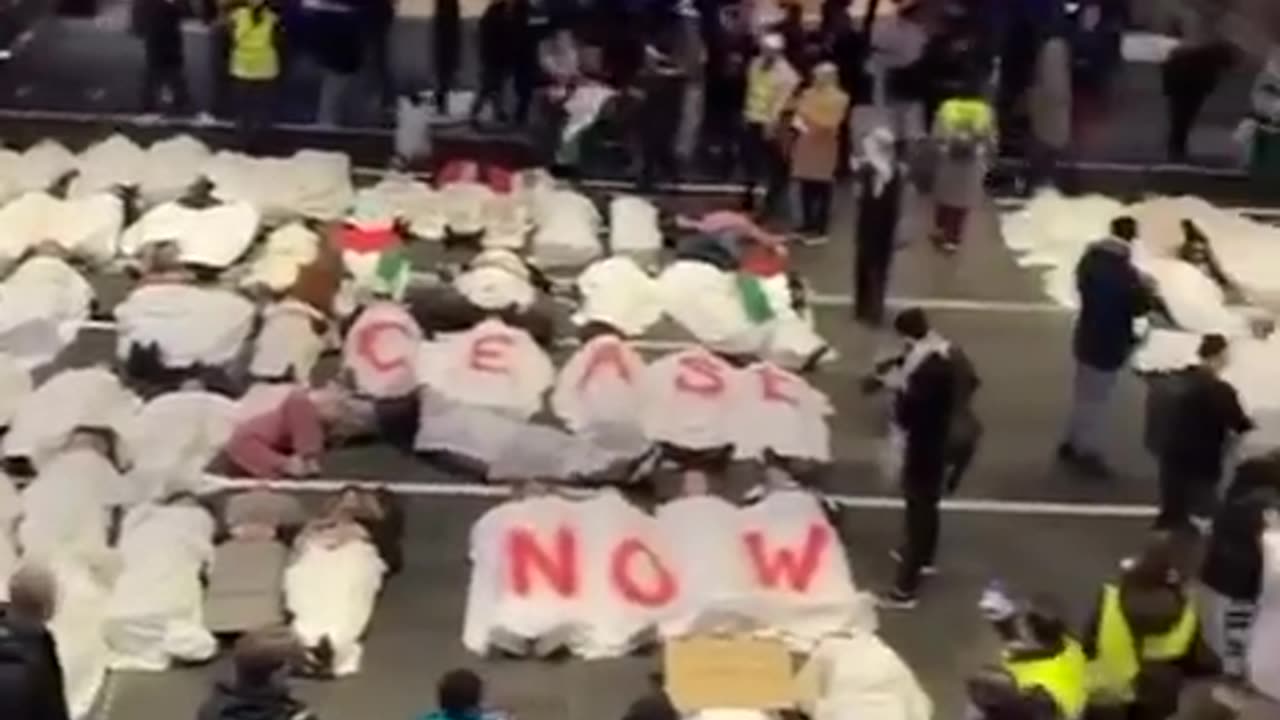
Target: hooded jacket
x=30, y=674
x=230, y=701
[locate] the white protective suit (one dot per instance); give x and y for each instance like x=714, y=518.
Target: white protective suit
x=380, y=350
x=331, y=591
x=173, y=439
x=171, y=167
x=106, y=165
x=66, y=508
x=85, y=397
x=287, y=343
x=856, y=675
x=10, y=511
x=1264, y=637
x=568, y=229
x=190, y=324
x=42, y=305
x=215, y=236
x=401, y=198
x=155, y=612
x=615, y=291
x=87, y=227
x=308, y=184
x=492, y=365
x=276, y=264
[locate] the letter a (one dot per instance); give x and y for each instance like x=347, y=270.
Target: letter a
x=773, y=567
x=659, y=591
x=606, y=354
x=525, y=556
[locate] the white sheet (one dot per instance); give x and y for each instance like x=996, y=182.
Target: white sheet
x=174, y=438
x=109, y=164
x=65, y=509
x=171, y=167
x=690, y=398
x=155, y=612
x=331, y=592
x=493, y=365
x=77, y=628
x=42, y=305
x=400, y=197
x=85, y=397
x=380, y=351
x=568, y=229
x=276, y=264
x=287, y=342
x=617, y=292
x=87, y=227
x=309, y=183
x=190, y=324
x=633, y=227
x=215, y=236
x=600, y=385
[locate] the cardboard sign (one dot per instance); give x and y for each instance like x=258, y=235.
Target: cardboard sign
x=729, y=672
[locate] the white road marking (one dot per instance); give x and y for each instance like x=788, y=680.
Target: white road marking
x=858, y=502
x=1008, y=204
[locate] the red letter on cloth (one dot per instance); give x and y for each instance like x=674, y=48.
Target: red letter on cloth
x=775, y=566
x=606, y=354
x=699, y=375
x=654, y=591
x=367, y=342
x=489, y=353
x=559, y=567
x=772, y=383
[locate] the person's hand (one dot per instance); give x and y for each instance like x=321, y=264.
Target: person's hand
x=996, y=605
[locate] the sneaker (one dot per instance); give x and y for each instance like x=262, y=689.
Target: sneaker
x=929, y=570
x=814, y=240
x=204, y=119
x=1067, y=453
x=149, y=119
x=897, y=600
x=1091, y=465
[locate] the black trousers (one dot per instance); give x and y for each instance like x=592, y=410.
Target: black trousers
x=447, y=50
x=1183, y=495
x=921, y=525
x=255, y=112
x=1189, y=77
x=871, y=283
x=159, y=77
x=762, y=162
x=815, y=206
x=383, y=70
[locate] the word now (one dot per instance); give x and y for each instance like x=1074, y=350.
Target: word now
x=604, y=569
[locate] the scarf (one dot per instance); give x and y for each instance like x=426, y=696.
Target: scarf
x=877, y=147
x=916, y=353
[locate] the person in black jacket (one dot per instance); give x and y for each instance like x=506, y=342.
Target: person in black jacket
x=257, y=689
x=1112, y=295
x=922, y=414
x=1204, y=418
x=504, y=34
x=448, y=47
x=160, y=24
x=30, y=672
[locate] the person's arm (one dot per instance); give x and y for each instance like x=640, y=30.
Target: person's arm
x=1237, y=419
x=1089, y=631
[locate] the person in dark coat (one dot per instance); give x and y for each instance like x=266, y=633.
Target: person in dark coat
x=922, y=414
x=448, y=47
x=879, y=209
x=1203, y=420
x=1112, y=295
x=30, y=672
x=257, y=689
x=1231, y=571
x=380, y=20
x=160, y=24
x=506, y=46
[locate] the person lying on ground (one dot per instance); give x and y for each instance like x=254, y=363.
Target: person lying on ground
x=283, y=427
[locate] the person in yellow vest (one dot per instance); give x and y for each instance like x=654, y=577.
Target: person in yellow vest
x=255, y=62
x=771, y=85
x=964, y=136
x=1045, y=663
x=1144, y=641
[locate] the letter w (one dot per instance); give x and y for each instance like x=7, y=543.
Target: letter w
x=776, y=566
x=558, y=567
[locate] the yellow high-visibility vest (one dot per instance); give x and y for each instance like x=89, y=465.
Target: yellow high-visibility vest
x=966, y=115
x=764, y=85
x=1064, y=677
x=253, y=45
x=1119, y=657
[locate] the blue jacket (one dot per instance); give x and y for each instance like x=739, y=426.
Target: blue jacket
x=1112, y=295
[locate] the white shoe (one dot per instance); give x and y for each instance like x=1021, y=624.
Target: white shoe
x=149, y=119
x=204, y=119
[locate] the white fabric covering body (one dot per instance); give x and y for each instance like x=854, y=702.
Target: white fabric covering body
x=380, y=351
x=568, y=229
x=155, y=611
x=171, y=167
x=216, y=236
x=42, y=305
x=689, y=400
x=399, y=197
x=10, y=511
x=464, y=203
x=1264, y=636
x=633, y=227
x=112, y=163
x=190, y=324
x=856, y=675
x=287, y=343
x=174, y=438
x=77, y=628
x=600, y=385
x=87, y=397
x=617, y=292
x=331, y=591
x=780, y=410
x=87, y=227
x=16, y=384
x=492, y=365
x=41, y=165
x=276, y=265
x=308, y=184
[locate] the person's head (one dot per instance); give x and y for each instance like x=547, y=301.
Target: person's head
x=262, y=656
x=33, y=594
x=826, y=76
x=459, y=693
x=1157, y=565
x=1124, y=228
x=1214, y=352
x=911, y=324
x=771, y=46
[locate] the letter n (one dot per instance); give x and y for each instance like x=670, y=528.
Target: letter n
x=558, y=565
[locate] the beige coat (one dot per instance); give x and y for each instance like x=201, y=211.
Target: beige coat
x=820, y=111
x=1050, y=96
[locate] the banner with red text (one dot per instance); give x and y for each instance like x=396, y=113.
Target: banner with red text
x=600, y=577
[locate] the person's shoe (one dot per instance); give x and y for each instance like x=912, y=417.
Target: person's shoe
x=813, y=239
x=1067, y=453
x=148, y=119
x=204, y=119
x=897, y=600
x=928, y=570
x=1091, y=465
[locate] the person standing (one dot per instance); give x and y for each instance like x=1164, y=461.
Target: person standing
x=497, y=33
x=662, y=84
x=31, y=684
x=335, y=34
x=1192, y=71
x=255, y=69
x=1112, y=295
x=771, y=82
x=924, y=386
x=880, y=185
x=380, y=22
x=1050, y=109
x=165, y=72
x=448, y=48
x=1204, y=418
x=820, y=113
x=964, y=137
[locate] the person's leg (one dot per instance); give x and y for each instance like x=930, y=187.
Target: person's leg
x=920, y=543
x=822, y=208
x=150, y=87
x=252, y=450
x=949, y=222
x=1175, y=504
x=1237, y=624
x=333, y=92
x=302, y=426
x=750, y=147
x=177, y=79
x=808, y=221
x=381, y=46
x=777, y=180
x=1091, y=388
